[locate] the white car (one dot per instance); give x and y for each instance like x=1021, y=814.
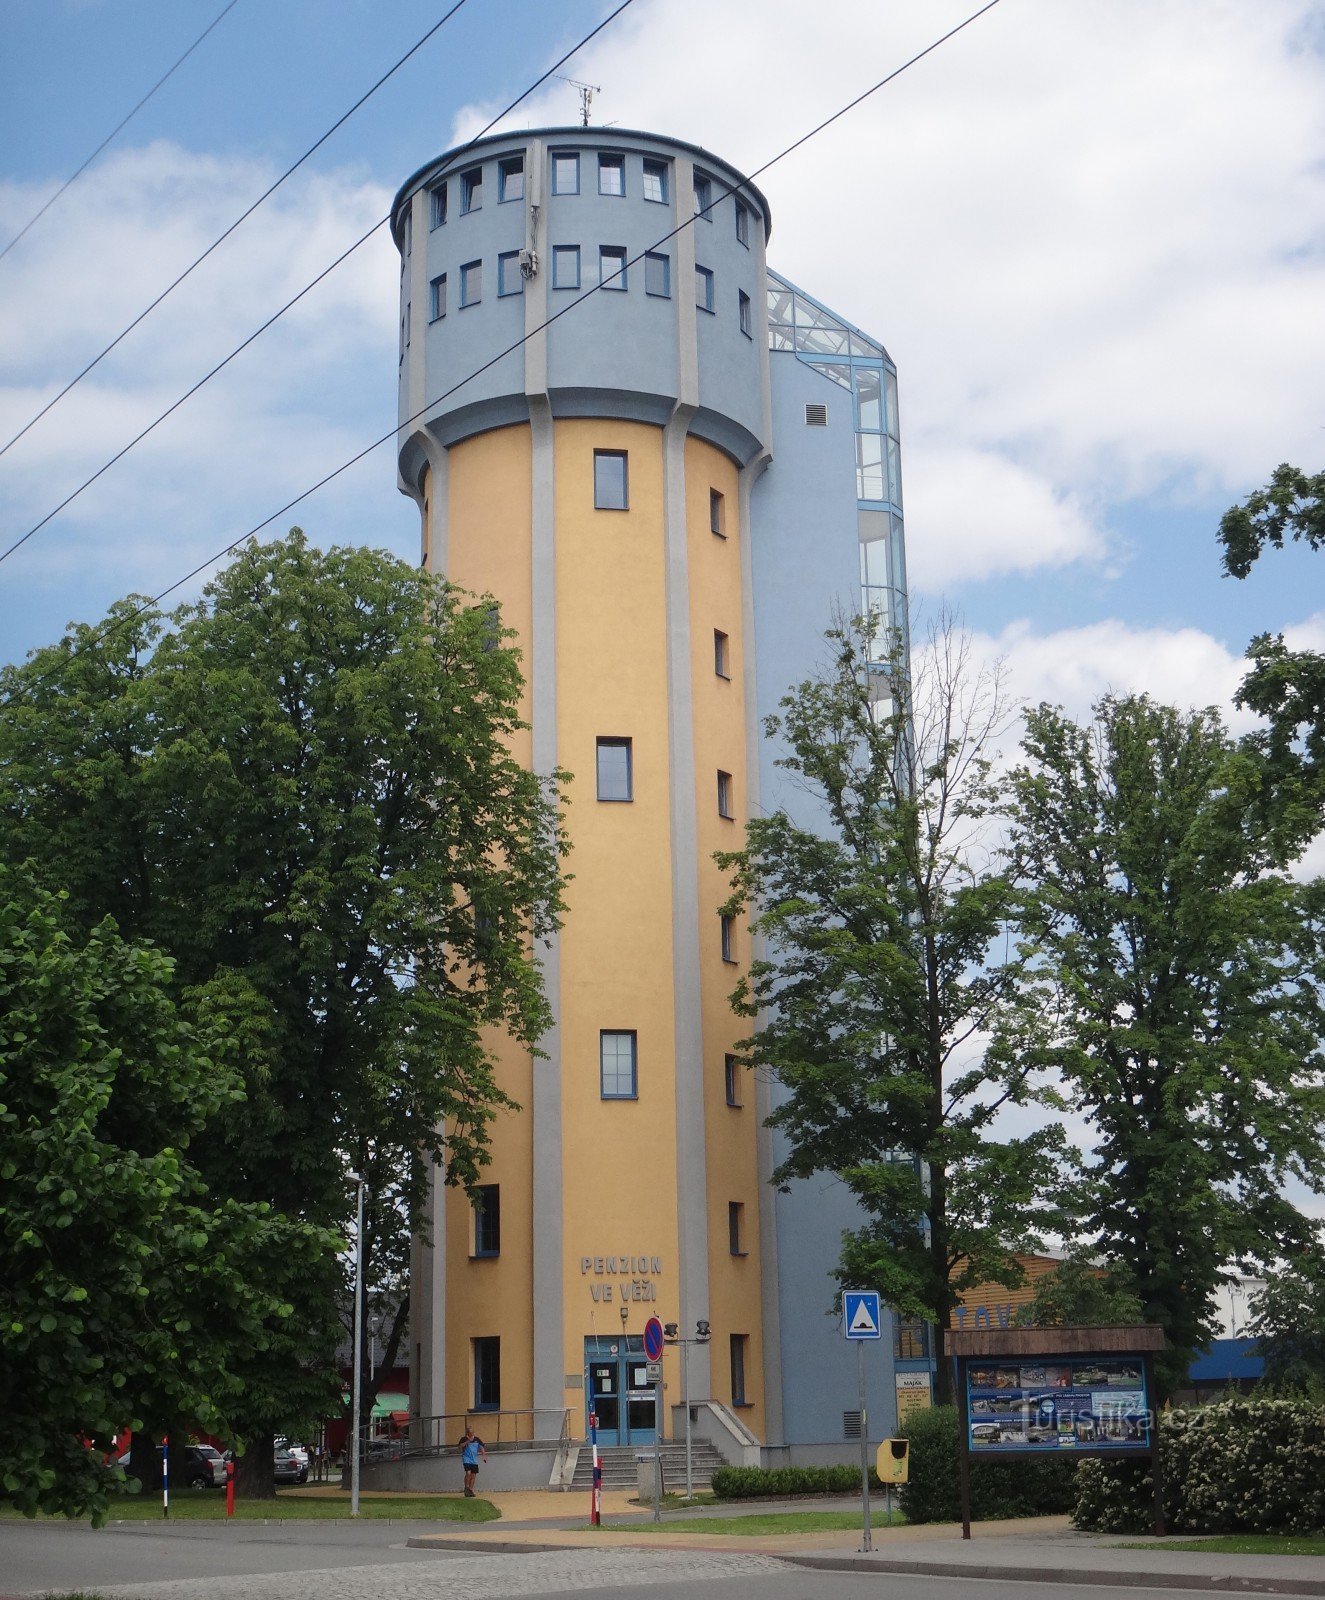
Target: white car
x=298, y=1451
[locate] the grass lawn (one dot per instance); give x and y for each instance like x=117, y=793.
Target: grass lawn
x=1245, y=1544
x=780, y=1522
x=208, y=1505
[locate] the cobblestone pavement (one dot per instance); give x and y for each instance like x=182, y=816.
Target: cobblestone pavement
x=488, y=1577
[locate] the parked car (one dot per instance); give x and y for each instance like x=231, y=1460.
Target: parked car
x=298, y=1451
x=199, y=1466
x=288, y=1468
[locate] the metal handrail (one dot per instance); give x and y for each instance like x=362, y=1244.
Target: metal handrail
x=521, y=1429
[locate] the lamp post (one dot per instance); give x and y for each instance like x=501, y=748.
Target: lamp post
x=357, y=1178
x=700, y=1336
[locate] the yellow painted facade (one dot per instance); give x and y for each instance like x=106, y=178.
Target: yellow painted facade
x=617, y=951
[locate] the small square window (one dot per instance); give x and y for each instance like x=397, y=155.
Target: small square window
x=735, y=1227
x=717, y=514
x=510, y=179
x=615, y=776
x=437, y=298
x=437, y=197
x=658, y=275
x=655, y=181
x=703, y=196
x=565, y=266
x=728, y=938
x=471, y=283
x=743, y=303
x=487, y=1220
x=611, y=485
x=725, y=794
x=618, y=1076
x=737, y=1346
x=703, y=288
x=510, y=280
x=731, y=1080
x=743, y=224
x=611, y=174
x=471, y=190
x=612, y=266
x=487, y=1374
x=720, y=654
x=565, y=172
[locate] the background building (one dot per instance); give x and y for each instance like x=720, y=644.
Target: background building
x=669, y=486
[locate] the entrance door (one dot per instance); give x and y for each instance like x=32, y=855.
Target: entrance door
x=617, y=1388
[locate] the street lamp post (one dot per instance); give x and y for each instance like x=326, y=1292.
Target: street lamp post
x=701, y=1336
x=357, y=1178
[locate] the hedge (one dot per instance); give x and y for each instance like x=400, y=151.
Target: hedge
x=1024, y=1487
x=1241, y=1465
x=778, y=1483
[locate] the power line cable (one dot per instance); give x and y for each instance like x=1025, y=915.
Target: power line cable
x=239, y=220
x=730, y=189
x=119, y=126
x=277, y=315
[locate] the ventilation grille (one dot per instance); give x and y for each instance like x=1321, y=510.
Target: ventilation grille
x=816, y=414
x=850, y=1419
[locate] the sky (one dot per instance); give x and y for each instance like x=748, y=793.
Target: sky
x=1092, y=238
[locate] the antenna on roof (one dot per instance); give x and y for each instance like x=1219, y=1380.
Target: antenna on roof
x=587, y=92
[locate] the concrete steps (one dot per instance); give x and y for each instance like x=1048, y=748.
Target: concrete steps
x=619, y=1470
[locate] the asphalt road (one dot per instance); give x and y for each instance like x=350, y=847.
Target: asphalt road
x=370, y=1561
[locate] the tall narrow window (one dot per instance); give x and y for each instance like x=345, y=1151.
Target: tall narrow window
x=471, y=190
x=487, y=1220
x=658, y=275
x=487, y=1374
x=743, y=303
x=717, y=514
x=510, y=280
x=703, y=196
x=617, y=1065
x=728, y=938
x=409, y=231
x=735, y=1228
x=720, y=653
x=655, y=181
x=615, y=776
x=510, y=179
x=724, y=794
x=738, y=1344
x=731, y=1080
x=611, y=174
x=471, y=283
x=437, y=298
x=612, y=266
x=565, y=172
x=437, y=197
x=703, y=288
x=743, y=224
x=611, y=488
x=565, y=266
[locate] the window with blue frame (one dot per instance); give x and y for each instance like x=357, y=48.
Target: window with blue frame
x=612, y=266
x=437, y=298
x=703, y=288
x=565, y=266
x=471, y=190
x=510, y=280
x=658, y=275
x=437, y=204
x=487, y=1373
x=510, y=179
x=703, y=195
x=743, y=306
x=655, y=181
x=565, y=172
x=743, y=224
x=471, y=283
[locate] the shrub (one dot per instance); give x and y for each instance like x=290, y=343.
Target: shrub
x=1025, y=1487
x=1241, y=1465
x=777, y=1483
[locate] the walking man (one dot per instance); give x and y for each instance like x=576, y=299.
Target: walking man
x=471, y=1448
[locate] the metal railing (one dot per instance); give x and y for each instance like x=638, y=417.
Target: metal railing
x=440, y=1435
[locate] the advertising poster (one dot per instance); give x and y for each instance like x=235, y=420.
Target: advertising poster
x=913, y=1394
x=1060, y=1403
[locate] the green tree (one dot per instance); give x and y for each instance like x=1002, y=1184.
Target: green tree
x=1285, y=687
x=888, y=1003
x=122, y=1283
x=1080, y=1293
x=1181, y=972
x=304, y=788
x=1288, y=1321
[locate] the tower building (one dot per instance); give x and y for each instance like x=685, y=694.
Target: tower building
x=670, y=486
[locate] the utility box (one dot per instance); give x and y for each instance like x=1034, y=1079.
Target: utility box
x=893, y=1463
x=646, y=1477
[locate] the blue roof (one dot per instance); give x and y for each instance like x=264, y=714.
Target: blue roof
x=1227, y=1358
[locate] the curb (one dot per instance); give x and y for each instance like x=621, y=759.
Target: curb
x=493, y=1547
x=1224, y=1583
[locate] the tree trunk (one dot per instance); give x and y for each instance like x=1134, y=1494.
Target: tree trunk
x=145, y=1461
x=255, y=1470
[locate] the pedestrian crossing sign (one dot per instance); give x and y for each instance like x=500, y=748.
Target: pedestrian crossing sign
x=861, y=1316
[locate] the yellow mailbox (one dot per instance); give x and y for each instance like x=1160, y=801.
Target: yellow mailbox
x=892, y=1461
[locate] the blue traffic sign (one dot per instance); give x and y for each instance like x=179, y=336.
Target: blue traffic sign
x=861, y=1314
x=653, y=1339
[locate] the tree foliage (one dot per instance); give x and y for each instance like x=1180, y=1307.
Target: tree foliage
x=1078, y=1293
x=303, y=787
x=1182, y=975
x=888, y=1000
x=1288, y=1322
x=125, y=1289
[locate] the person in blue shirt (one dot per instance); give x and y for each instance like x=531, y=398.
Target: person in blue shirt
x=471, y=1448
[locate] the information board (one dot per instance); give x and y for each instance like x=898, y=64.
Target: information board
x=1093, y=1402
